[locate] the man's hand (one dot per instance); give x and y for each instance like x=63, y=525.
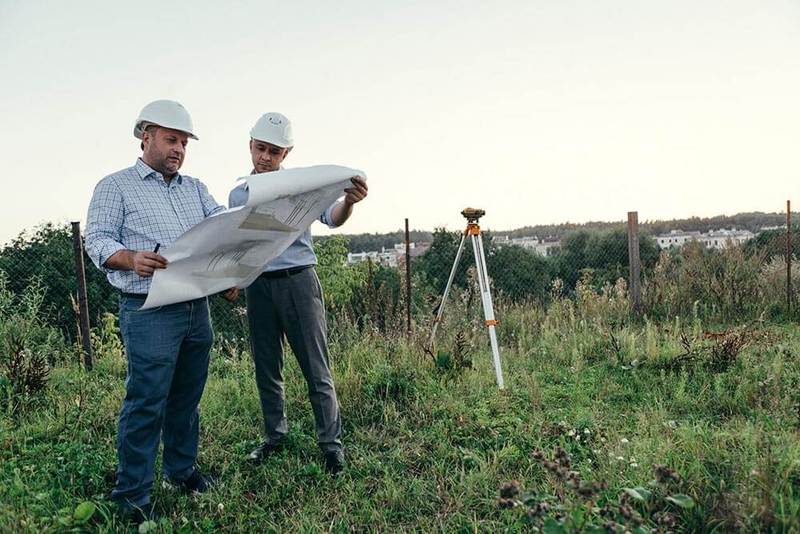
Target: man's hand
x=357, y=193
x=145, y=263
x=231, y=294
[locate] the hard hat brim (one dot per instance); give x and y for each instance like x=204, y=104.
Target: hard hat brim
x=272, y=142
x=138, y=129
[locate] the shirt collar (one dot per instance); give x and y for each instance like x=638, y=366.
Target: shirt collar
x=146, y=171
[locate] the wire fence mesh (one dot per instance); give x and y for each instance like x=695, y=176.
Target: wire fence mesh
x=723, y=277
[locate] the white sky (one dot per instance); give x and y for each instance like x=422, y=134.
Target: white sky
x=537, y=111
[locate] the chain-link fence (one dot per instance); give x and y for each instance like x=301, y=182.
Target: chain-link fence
x=724, y=275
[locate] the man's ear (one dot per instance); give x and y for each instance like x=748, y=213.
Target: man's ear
x=250, y=144
x=149, y=136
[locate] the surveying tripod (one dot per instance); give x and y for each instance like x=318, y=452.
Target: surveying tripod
x=474, y=231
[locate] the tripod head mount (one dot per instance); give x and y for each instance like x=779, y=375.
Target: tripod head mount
x=472, y=214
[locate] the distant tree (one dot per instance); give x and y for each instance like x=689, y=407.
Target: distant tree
x=438, y=260
x=605, y=253
x=46, y=254
x=376, y=241
x=519, y=273
x=337, y=280
x=773, y=243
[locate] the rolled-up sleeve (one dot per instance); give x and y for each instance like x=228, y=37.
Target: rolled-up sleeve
x=327, y=216
x=238, y=196
x=210, y=206
x=104, y=223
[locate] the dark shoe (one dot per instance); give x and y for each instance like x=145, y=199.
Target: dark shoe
x=334, y=462
x=264, y=451
x=196, y=483
x=137, y=514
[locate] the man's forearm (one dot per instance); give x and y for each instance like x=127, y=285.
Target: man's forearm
x=341, y=212
x=121, y=260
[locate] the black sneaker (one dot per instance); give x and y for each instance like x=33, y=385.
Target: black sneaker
x=137, y=514
x=334, y=462
x=196, y=483
x=264, y=451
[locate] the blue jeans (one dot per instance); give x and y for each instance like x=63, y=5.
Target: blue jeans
x=168, y=350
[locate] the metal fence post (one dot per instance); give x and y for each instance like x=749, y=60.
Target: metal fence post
x=408, y=283
x=788, y=256
x=634, y=281
x=83, y=301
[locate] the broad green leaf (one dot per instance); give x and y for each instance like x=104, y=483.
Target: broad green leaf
x=684, y=501
x=147, y=526
x=644, y=492
x=84, y=511
x=635, y=494
x=551, y=526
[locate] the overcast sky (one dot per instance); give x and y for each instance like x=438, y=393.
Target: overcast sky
x=536, y=111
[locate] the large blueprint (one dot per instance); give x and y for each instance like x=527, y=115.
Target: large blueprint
x=231, y=248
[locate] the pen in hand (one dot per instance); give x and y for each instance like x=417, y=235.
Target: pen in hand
x=158, y=246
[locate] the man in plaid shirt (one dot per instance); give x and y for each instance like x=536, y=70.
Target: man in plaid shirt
x=134, y=213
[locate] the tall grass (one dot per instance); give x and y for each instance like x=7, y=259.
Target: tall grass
x=429, y=445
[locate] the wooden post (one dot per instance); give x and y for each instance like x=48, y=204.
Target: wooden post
x=83, y=301
x=788, y=256
x=634, y=282
x=408, y=283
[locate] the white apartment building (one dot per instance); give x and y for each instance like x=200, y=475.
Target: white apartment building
x=388, y=257
x=676, y=238
x=720, y=239
x=717, y=239
x=543, y=247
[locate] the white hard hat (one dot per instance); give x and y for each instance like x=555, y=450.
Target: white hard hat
x=166, y=113
x=273, y=128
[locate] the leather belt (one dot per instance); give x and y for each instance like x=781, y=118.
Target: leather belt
x=142, y=296
x=284, y=273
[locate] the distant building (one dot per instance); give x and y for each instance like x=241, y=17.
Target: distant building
x=544, y=247
x=676, y=238
x=391, y=257
x=717, y=239
x=770, y=228
x=720, y=239
x=387, y=259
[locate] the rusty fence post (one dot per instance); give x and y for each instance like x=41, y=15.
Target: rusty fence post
x=634, y=281
x=788, y=256
x=408, y=284
x=83, y=301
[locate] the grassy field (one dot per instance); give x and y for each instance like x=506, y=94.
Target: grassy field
x=430, y=444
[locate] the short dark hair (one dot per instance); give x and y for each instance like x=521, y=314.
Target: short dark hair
x=151, y=129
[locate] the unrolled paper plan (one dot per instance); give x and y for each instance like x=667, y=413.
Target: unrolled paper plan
x=231, y=248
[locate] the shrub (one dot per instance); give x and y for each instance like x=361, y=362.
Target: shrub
x=28, y=346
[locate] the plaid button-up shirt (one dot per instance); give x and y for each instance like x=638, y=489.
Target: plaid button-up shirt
x=136, y=209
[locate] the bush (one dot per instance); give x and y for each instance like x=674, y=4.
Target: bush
x=720, y=284
x=29, y=346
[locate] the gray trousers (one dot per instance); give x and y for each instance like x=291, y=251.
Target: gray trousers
x=292, y=306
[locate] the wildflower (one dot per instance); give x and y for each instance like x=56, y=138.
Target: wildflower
x=506, y=503
x=586, y=431
x=624, y=440
x=509, y=490
x=664, y=474
x=221, y=507
x=620, y=458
